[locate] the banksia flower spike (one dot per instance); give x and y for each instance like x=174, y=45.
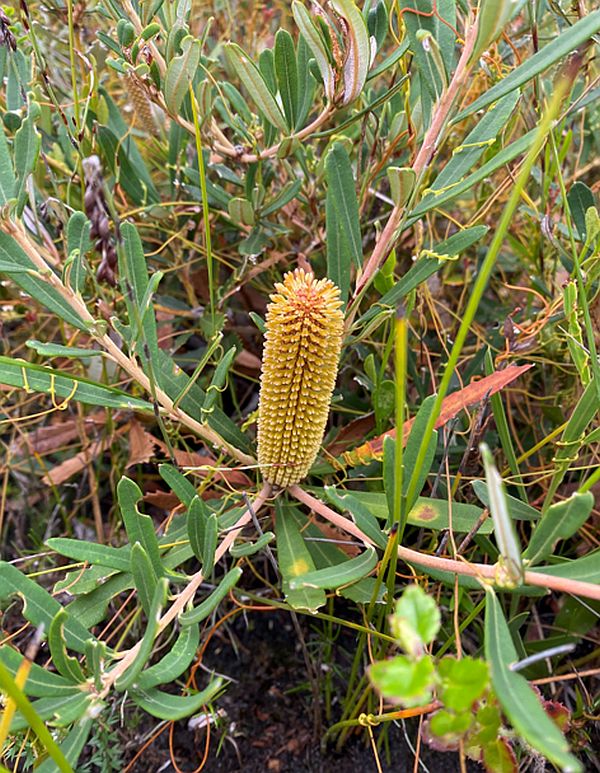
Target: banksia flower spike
x=300, y=362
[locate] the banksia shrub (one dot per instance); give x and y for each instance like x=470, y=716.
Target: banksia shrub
x=300, y=362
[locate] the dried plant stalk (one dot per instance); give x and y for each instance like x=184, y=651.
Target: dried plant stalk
x=300, y=362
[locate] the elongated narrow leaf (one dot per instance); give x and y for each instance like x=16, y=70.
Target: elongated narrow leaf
x=517, y=509
x=144, y=576
x=172, y=707
x=506, y=536
x=128, y=678
x=560, y=521
x=32, y=719
x=466, y=154
x=26, y=149
x=218, y=382
x=78, y=245
x=203, y=529
x=208, y=606
x=286, y=71
x=429, y=513
x=34, y=284
x=250, y=548
x=102, y=555
x=71, y=747
x=413, y=446
x=252, y=78
x=139, y=526
x=178, y=483
x=339, y=254
x=54, y=711
x=180, y=73
x=358, y=49
x=363, y=517
x=585, y=569
x=343, y=574
x=57, y=350
x=175, y=662
x=66, y=665
x=39, y=606
x=7, y=174
x=294, y=559
x=343, y=194
x=519, y=702
x=34, y=378
x=560, y=46
x=428, y=19
x=317, y=48
x=40, y=683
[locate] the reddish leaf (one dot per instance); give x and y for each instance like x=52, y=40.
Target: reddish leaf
x=453, y=404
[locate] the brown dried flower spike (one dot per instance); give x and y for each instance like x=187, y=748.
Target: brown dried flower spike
x=300, y=362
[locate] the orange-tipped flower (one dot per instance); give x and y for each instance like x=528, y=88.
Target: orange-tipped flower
x=300, y=362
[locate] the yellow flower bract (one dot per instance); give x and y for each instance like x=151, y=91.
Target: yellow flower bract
x=300, y=362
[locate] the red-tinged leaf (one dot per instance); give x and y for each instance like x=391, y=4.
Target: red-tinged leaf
x=451, y=407
x=356, y=430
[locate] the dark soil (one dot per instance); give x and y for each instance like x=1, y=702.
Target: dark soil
x=268, y=722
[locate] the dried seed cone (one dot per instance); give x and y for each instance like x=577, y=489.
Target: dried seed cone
x=141, y=104
x=300, y=362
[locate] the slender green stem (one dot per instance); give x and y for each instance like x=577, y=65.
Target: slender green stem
x=205, y=212
x=485, y=273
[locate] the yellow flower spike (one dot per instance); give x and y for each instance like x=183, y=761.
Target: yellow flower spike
x=300, y=361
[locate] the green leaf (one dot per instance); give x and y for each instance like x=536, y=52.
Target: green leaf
x=361, y=514
x=517, y=509
x=415, y=621
x=519, y=702
x=39, y=606
x=492, y=16
x=66, y=665
x=338, y=249
x=33, y=720
x=402, y=183
x=54, y=711
x=139, y=527
x=429, y=513
x=342, y=574
x=580, y=199
x=294, y=559
x=144, y=576
x=35, y=378
x=172, y=707
x=208, y=606
x=317, y=48
x=128, y=678
x=180, y=73
x=255, y=84
x=466, y=154
x=90, y=608
x=133, y=277
x=80, y=550
x=411, y=452
x=358, y=49
x=251, y=548
x=71, y=747
x=287, y=75
x=462, y=682
x=36, y=285
x=424, y=268
x=510, y=558
x=175, y=662
x=285, y=195
x=404, y=681
x=340, y=182
x=26, y=149
x=203, y=533
x=534, y=65
x=7, y=175
x=429, y=20
x=560, y=521
x=586, y=569
x=40, y=683
x=78, y=245
x=57, y=350
x=218, y=382
x=178, y=483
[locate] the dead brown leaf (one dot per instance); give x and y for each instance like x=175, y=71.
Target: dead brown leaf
x=141, y=445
